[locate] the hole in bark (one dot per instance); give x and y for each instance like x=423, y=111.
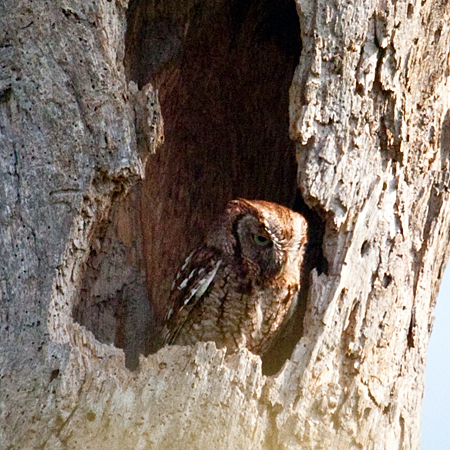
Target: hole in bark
x=411, y=333
x=437, y=34
x=387, y=280
x=410, y=11
x=365, y=247
x=359, y=89
x=54, y=374
x=222, y=70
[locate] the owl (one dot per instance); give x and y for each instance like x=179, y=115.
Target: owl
x=240, y=286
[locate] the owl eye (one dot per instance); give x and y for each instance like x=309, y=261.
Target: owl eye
x=261, y=240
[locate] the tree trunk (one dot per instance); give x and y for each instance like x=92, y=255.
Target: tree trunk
x=125, y=129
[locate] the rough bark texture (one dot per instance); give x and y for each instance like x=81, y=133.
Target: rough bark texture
x=370, y=117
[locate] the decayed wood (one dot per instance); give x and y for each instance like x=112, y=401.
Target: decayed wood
x=369, y=113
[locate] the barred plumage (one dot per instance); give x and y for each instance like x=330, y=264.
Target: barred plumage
x=241, y=285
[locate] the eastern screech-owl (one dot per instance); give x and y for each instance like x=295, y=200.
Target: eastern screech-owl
x=241, y=284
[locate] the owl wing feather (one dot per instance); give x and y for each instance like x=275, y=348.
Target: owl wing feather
x=190, y=285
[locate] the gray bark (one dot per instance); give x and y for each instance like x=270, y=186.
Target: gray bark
x=370, y=117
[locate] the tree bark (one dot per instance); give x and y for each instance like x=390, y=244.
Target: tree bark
x=87, y=194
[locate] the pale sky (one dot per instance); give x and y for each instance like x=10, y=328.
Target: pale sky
x=436, y=402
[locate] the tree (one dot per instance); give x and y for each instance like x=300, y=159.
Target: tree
x=97, y=212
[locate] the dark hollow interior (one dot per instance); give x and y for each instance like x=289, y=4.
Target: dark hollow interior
x=223, y=71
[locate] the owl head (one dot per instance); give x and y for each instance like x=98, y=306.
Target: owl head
x=263, y=238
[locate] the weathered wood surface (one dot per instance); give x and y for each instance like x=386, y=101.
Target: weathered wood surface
x=370, y=115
